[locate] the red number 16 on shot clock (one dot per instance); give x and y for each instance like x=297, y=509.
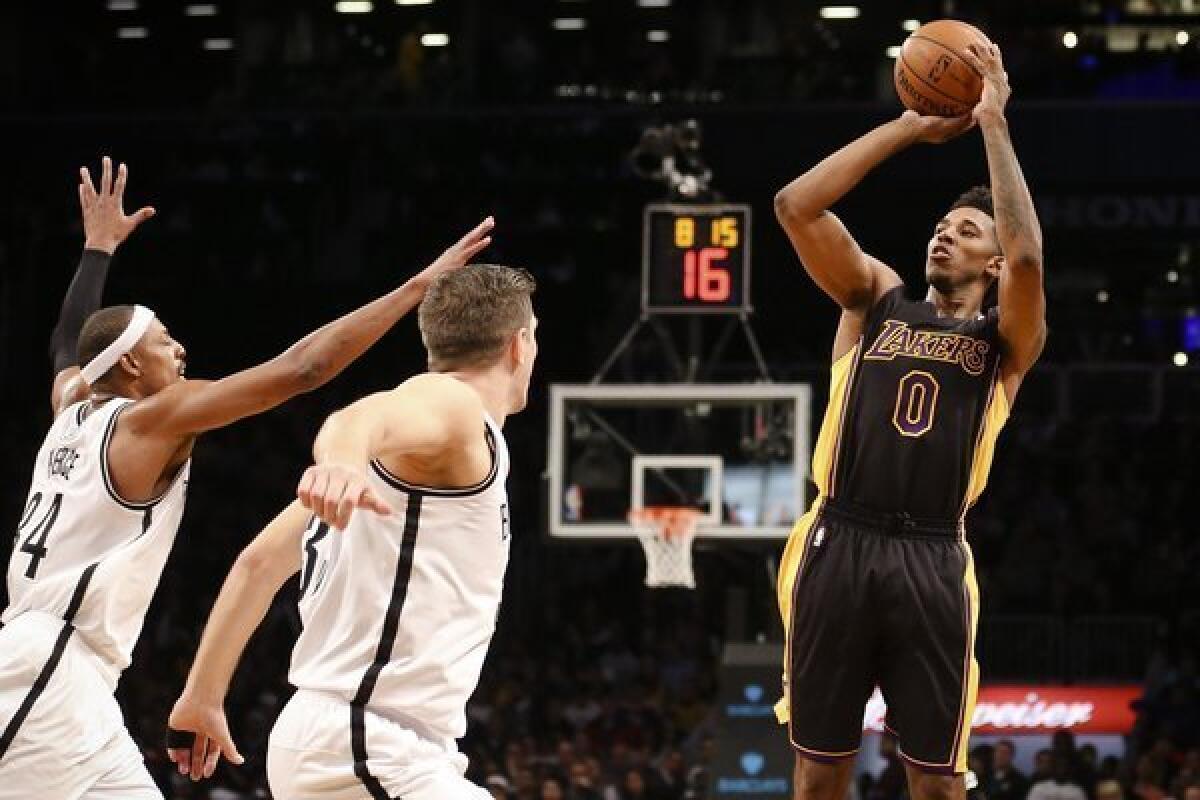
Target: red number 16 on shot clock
x=696, y=259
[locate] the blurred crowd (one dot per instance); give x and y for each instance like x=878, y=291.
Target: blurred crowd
x=306, y=55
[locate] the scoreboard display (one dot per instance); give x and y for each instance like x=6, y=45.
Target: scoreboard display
x=696, y=259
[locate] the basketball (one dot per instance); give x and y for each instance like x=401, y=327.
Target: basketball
x=933, y=76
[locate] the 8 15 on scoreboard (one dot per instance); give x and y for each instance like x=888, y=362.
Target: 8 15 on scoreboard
x=696, y=259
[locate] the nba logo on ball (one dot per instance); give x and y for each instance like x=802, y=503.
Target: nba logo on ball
x=752, y=763
x=939, y=68
x=753, y=693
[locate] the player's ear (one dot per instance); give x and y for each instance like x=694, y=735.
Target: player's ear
x=130, y=363
x=516, y=348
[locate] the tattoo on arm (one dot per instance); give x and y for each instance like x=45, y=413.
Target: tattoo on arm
x=1016, y=218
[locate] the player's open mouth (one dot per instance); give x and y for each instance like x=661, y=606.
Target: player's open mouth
x=939, y=252
x=182, y=370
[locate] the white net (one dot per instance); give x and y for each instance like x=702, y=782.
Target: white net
x=666, y=535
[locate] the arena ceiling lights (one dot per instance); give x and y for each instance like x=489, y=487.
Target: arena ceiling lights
x=354, y=6
x=839, y=12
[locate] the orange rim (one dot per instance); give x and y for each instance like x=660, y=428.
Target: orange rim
x=671, y=521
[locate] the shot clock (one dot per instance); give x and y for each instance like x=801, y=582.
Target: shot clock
x=696, y=259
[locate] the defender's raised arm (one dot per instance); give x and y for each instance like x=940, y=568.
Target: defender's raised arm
x=191, y=407
x=105, y=227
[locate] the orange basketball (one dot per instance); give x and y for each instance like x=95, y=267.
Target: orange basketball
x=932, y=76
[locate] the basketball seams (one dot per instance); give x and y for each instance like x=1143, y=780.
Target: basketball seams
x=951, y=51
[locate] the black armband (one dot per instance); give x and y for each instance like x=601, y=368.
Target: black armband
x=175, y=740
x=82, y=299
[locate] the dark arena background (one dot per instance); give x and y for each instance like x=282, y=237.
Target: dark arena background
x=306, y=156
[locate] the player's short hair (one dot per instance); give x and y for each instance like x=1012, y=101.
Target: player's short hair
x=100, y=330
x=469, y=314
x=979, y=197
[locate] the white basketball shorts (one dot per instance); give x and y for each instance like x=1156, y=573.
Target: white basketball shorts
x=312, y=754
x=61, y=731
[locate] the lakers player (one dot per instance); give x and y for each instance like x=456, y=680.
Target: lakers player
x=401, y=568
x=877, y=587
x=105, y=502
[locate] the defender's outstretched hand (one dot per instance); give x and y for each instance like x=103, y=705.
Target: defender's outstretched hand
x=334, y=491
x=105, y=223
x=460, y=253
x=210, y=738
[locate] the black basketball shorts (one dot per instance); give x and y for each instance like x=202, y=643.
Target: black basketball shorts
x=890, y=601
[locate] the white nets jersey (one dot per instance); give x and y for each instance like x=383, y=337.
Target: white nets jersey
x=399, y=610
x=82, y=553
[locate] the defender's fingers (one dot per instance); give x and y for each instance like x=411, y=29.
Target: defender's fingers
x=210, y=763
x=89, y=188
x=230, y=750
x=479, y=230
x=346, y=505
x=106, y=175
x=142, y=214
x=304, y=490
x=373, y=502
x=199, y=750
x=332, y=495
x=475, y=248
x=119, y=186
x=317, y=496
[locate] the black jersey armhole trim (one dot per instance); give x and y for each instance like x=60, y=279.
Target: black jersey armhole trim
x=434, y=491
x=108, y=484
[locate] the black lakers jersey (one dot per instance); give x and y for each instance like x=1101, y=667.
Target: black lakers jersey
x=916, y=411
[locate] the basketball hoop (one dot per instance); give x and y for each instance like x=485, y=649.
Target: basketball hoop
x=666, y=534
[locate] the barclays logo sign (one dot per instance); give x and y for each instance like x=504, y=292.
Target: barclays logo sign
x=753, y=707
x=752, y=763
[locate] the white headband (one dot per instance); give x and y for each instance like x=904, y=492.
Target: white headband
x=109, y=356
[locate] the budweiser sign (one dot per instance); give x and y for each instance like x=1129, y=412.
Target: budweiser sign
x=1039, y=709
